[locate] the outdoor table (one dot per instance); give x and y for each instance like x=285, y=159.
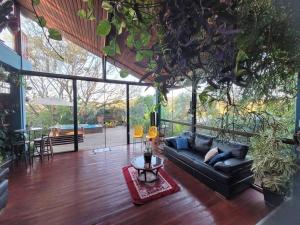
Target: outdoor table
x=29, y=130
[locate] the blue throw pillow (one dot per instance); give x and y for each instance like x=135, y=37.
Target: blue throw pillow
x=173, y=142
x=181, y=143
x=219, y=157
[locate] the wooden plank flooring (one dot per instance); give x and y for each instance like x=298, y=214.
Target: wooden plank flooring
x=85, y=188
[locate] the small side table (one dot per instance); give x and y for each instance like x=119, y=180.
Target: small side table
x=147, y=172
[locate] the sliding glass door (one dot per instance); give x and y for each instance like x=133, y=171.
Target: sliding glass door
x=115, y=114
x=142, y=101
x=49, y=111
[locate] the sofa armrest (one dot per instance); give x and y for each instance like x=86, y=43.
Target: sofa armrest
x=4, y=174
x=168, y=141
x=233, y=165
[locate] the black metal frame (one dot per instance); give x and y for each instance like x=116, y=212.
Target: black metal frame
x=75, y=117
x=127, y=114
x=74, y=80
x=89, y=79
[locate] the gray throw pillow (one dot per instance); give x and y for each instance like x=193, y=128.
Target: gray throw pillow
x=239, y=151
x=202, y=144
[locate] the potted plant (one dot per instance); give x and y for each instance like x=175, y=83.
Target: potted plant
x=274, y=164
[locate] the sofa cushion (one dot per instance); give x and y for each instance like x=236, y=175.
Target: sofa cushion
x=219, y=157
x=238, y=150
x=210, y=154
x=232, y=165
x=189, y=157
x=202, y=143
x=190, y=137
x=211, y=172
x=181, y=143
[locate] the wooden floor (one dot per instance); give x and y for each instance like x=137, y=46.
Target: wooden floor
x=86, y=188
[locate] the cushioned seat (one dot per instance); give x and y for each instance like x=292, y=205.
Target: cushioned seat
x=211, y=172
x=232, y=166
x=187, y=156
x=228, y=177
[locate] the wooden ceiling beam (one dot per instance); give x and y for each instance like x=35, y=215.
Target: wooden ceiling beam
x=62, y=15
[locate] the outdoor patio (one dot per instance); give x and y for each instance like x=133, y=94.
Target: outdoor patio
x=114, y=136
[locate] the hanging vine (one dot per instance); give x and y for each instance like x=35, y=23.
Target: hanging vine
x=238, y=50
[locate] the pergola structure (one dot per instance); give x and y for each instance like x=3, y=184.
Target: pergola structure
x=62, y=16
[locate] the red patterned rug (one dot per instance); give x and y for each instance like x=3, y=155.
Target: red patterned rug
x=142, y=193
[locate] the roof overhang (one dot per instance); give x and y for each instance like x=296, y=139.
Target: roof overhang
x=62, y=15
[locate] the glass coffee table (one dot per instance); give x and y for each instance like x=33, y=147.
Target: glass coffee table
x=147, y=172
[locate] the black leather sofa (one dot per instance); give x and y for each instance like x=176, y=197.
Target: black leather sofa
x=3, y=187
x=227, y=177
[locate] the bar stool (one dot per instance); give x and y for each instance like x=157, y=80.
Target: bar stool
x=21, y=146
x=43, y=146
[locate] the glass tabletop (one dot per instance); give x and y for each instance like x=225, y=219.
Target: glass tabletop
x=139, y=163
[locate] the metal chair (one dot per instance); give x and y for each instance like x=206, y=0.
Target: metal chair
x=43, y=146
x=138, y=133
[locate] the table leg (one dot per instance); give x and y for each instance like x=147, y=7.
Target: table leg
x=145, y=175
x=156, y=173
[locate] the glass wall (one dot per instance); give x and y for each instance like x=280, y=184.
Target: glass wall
x=90, y=103
x=49, y=110
x=177, y=109
x=101, y=114
x=7, y=38
x=113, y=73
x=75, y=60
x=142, y=100
x=115, y=114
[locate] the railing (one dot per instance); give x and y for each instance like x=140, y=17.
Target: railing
x=224, y=130
x=216, y=129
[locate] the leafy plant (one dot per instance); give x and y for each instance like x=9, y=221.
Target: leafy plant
x=250, y=44
x=7, y=17
x=53, y=33
x=274, y=162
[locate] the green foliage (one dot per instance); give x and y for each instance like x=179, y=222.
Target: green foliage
x=87, y=14
x=140, y=109
x=54, y=34
x=274, y=162
x=107, y=6
x=124, y=73
x=103, y=28
x=254, y=43
x=8, y=18
x=36, y=2
x=112, y=49
x=41, y=21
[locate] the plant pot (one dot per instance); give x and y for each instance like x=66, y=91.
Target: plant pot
x=147, y=157
x=272, y=199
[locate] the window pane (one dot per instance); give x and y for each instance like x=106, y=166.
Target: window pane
x=113, y=73
x=141, y=103
x=49, y=105
x=7, y=38
x=76, y=60
x=4, y=87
